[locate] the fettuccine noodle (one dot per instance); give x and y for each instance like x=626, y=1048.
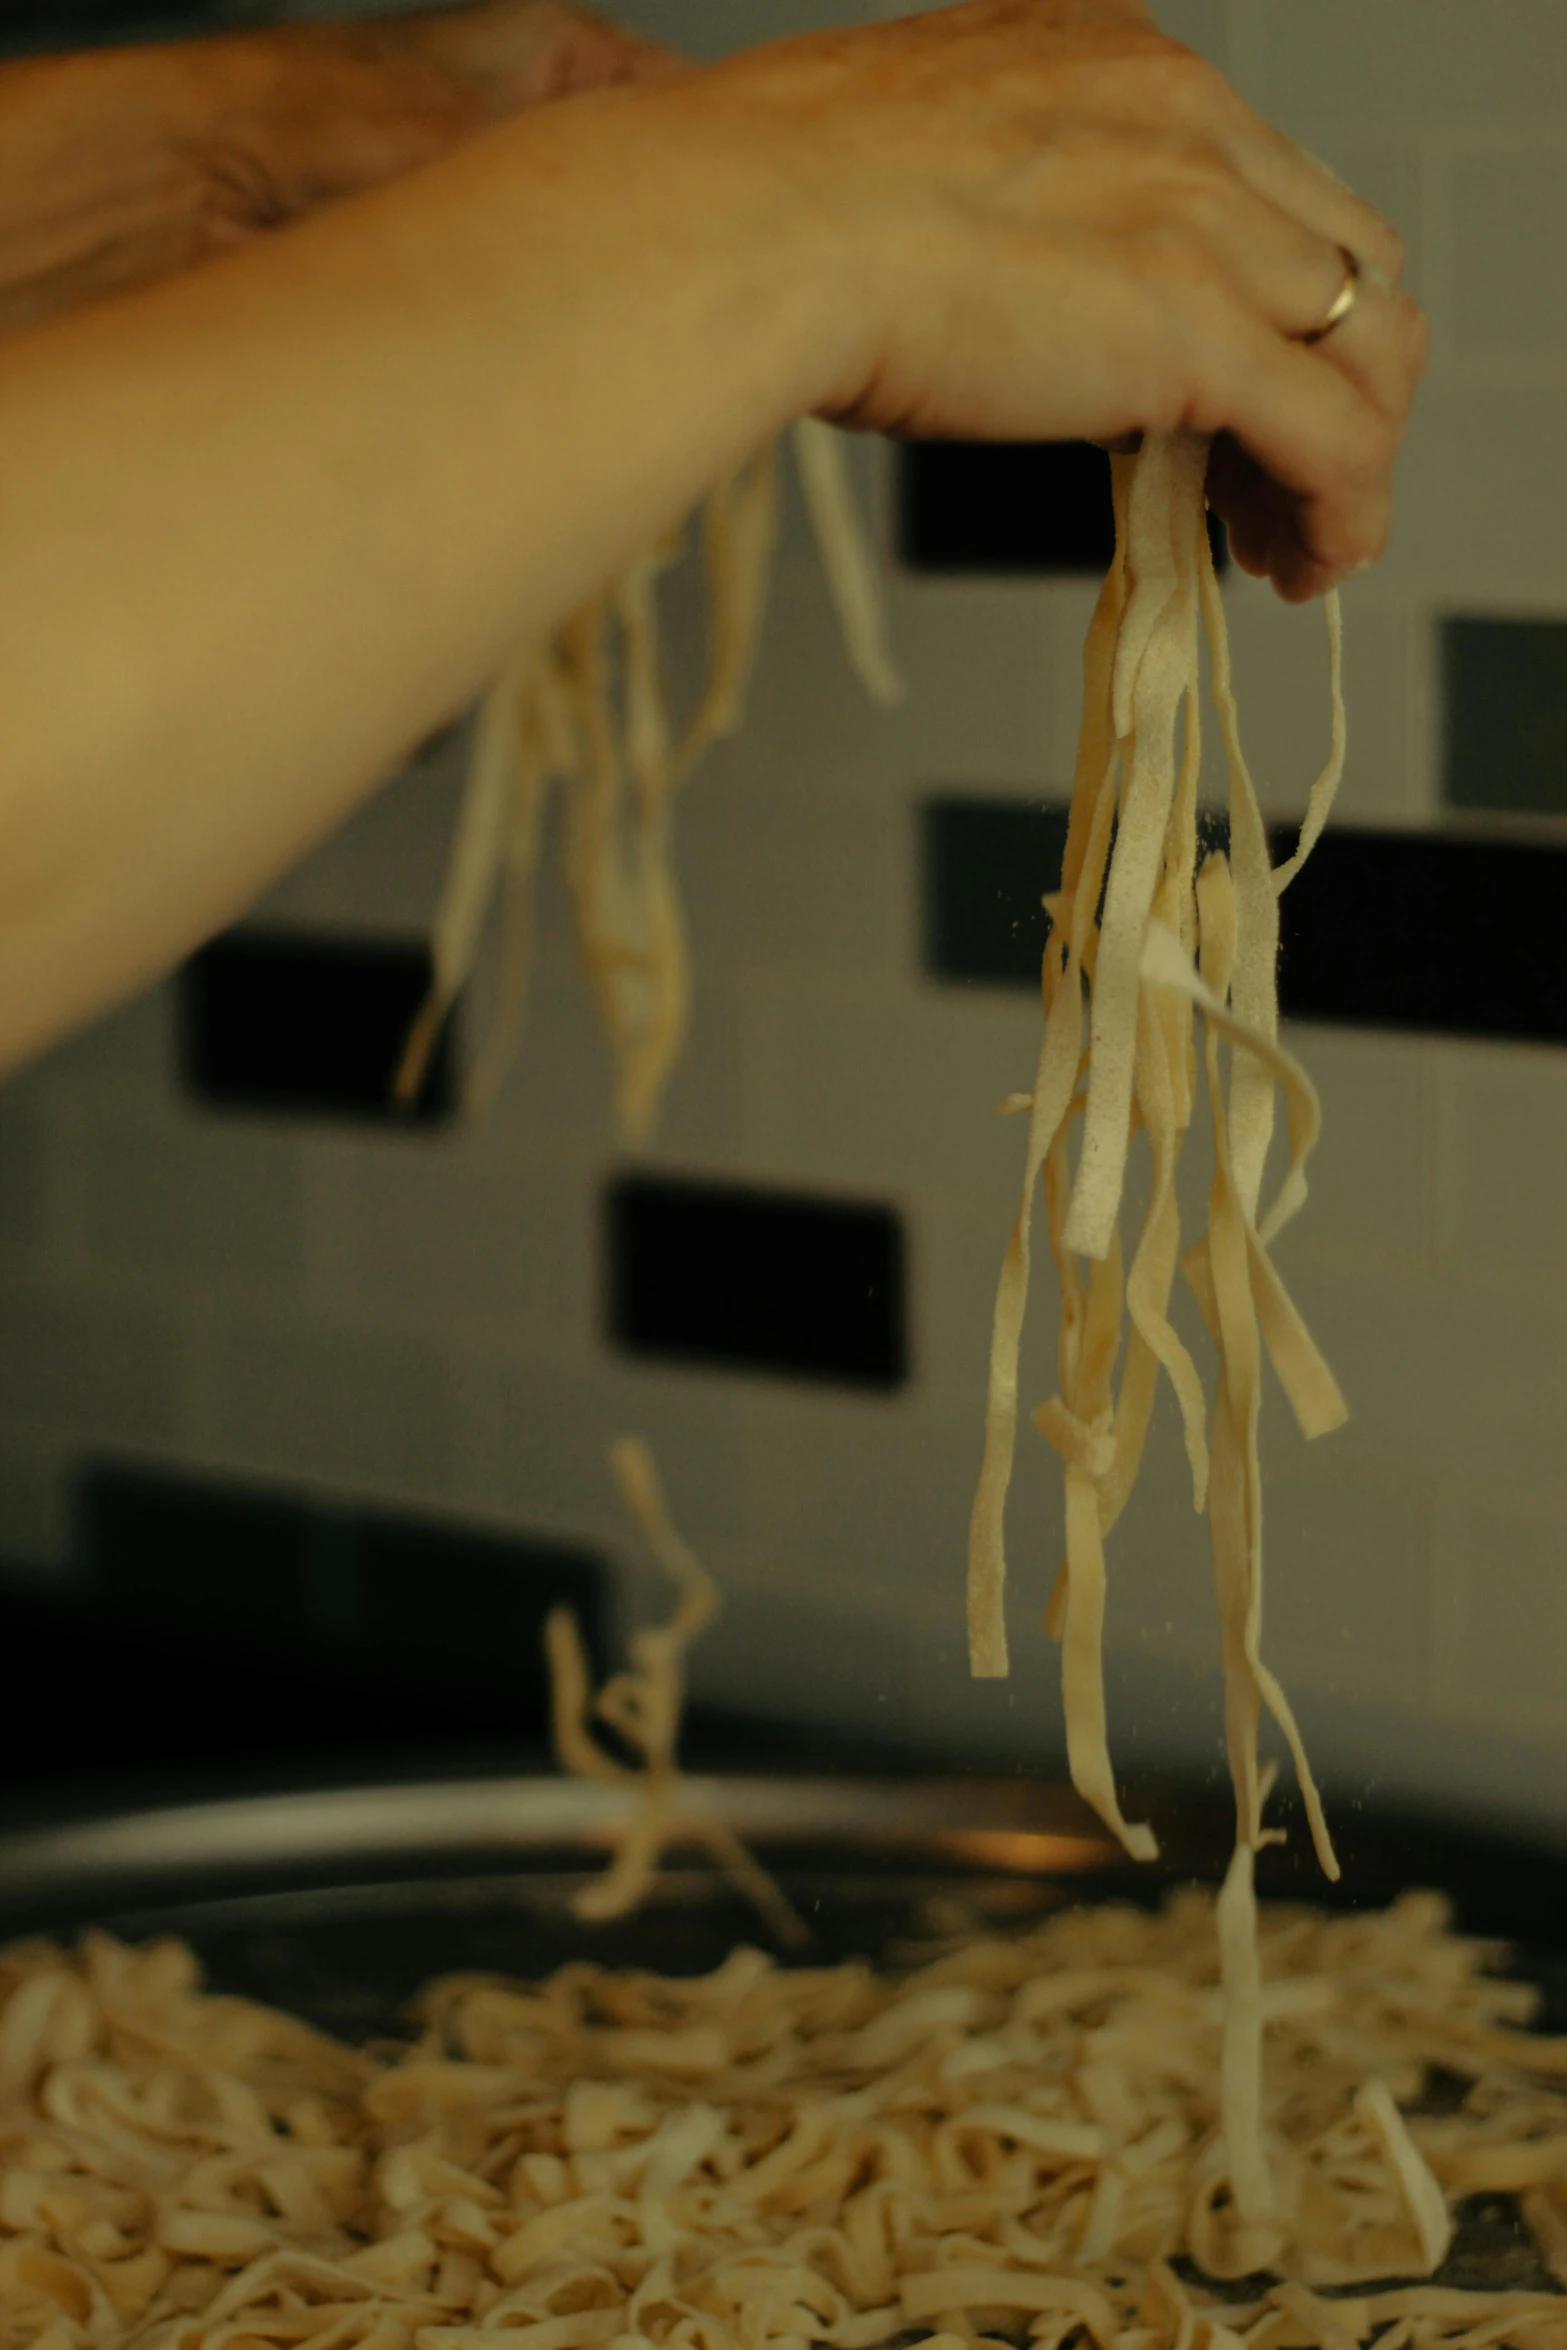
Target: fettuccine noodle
x=589, y=715
x=1147, y=933
x=1017, y=2142
x=643, y=1706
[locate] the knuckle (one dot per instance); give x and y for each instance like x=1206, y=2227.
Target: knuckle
x=1185, y=86
x=1414, y=335
x=1388, y=248
x=1176, y=257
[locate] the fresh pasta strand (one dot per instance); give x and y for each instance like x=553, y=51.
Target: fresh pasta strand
x=847, y=562
x=643, y=1706
x=588, y=715
x=1147, y=936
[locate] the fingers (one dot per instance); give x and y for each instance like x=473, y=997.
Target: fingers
x=1296, y=181
x=1284, y=251
x=1302, y=468
x=1302, y=531
x=1283, y=173
x=515, y=53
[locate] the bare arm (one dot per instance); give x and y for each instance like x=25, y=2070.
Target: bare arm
x=123, y=166
x=262, y=527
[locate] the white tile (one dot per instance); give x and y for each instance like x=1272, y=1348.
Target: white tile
x=1280, y=665
x=804, y=1656
x=82, y=1367
x=894, y=1088
x=1347, y=1573
x=535, y=1431
x=1439, y=1374
x=1480, y=489
x=1424, y=64
x=807, y=706
x=342, y=1409
x=1508, y=265
x=1510, y=1553
x=1070, y=606
x=958, y=1238
x=778, y=876
x=1370, y=1176
x=192, y=1203
x=872, y=1493
x=1502, y=1166
x=127, y=1056
x=453, y=1230
x=980, y=660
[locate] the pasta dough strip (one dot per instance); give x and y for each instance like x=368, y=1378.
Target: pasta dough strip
x=618, y=842
x=643, y=1706
x=1174, y=939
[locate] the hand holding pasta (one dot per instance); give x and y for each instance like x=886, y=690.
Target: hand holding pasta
x=443, y=414
x=1059, y=224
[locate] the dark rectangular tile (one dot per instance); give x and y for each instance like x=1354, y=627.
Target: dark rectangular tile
x=985, y=866
x=1429, y=931
x=285, y=1590
x=1433, y=931
x=307, y=1026
x=1009, y=506
x=1504, y=709
x=765, y=1281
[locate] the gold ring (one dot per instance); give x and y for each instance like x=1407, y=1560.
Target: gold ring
x=1343, y=301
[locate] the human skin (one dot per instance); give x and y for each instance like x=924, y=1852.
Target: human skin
x=264, y=524
x=128, y=165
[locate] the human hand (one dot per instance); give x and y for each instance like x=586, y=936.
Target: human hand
x=129, y=165
x=1052, y=222
x=335, y=108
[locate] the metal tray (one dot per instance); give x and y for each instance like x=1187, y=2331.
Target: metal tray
x=338, y=1904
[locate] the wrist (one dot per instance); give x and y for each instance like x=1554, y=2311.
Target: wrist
x=791, y=250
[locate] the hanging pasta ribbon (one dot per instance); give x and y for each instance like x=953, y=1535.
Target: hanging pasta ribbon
x=643, y=1706
x=1146, y=935
x=589, y=717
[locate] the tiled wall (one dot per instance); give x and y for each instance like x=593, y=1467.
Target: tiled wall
x=417, y=1317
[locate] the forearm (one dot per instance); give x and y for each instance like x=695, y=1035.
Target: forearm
x=104, y=185
x=261, y=528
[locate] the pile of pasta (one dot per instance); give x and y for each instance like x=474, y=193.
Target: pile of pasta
x=588, y=715
x=1017, y=2142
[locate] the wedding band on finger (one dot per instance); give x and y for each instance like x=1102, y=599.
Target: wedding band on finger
x=1343, y=301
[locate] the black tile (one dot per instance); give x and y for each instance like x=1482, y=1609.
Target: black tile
x=29, y=25
x=986, y=864
x=218, y=1618
x=1430, y=931
x=767, y=1281
x=1504, y=698
x=1009, y=506
x=307, y=1026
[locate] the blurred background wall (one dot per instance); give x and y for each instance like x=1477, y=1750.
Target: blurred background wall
x=414, y=1319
